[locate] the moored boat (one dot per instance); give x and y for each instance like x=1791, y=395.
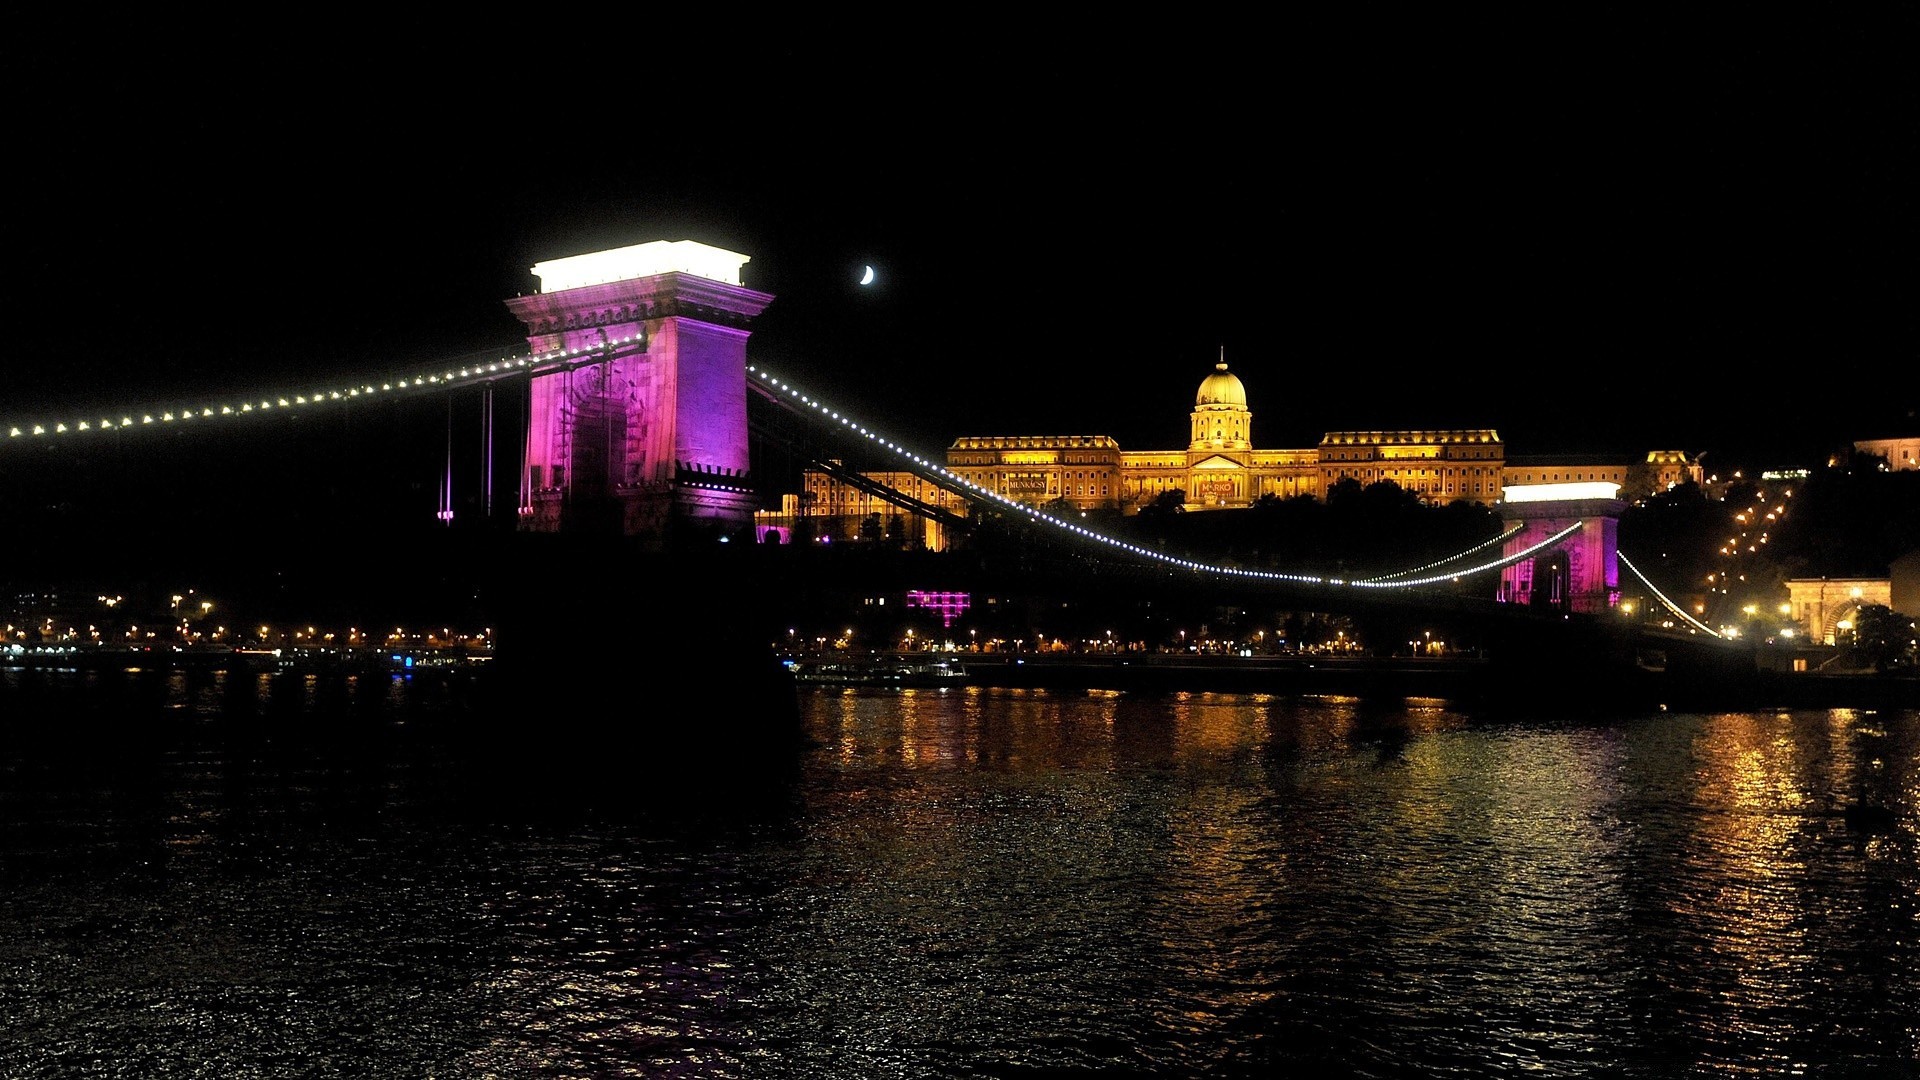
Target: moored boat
x=886, y=671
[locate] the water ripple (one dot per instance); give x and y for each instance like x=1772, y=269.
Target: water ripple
x=987, y=884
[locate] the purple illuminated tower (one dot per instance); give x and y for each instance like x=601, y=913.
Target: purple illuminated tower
x=637, y=419
x=1582, y=573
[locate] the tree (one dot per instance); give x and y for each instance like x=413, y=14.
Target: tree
x=1674, y=537
x=1155, y=519
x=1640, y=480
x=1883, y=637
x=1166, y=504
x=870, y=529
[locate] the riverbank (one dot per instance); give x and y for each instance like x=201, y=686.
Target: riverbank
x=98, y=655
x=1464, y=679
x=1689, y=682
x=1231, y=674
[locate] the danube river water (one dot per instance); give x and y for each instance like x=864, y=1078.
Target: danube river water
x=205, y=875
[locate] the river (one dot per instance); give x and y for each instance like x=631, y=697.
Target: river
x=208, y=878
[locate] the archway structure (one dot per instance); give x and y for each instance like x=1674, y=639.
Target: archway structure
x=1581, y=574
x=638, y=427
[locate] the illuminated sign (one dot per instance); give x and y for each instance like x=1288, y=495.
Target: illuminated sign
x=948, y=604
x=1595, y=489
x=1027, y=484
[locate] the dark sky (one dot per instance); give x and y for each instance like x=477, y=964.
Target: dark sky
x=1591, y=232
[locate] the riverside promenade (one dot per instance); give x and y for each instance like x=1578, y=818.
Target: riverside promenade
x=1725, y=682
x=1697, y=681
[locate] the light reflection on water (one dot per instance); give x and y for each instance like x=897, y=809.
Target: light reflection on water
x=270, y=879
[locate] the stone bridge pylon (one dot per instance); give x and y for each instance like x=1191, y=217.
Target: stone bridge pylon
x=639, y=428
x=1581, y=574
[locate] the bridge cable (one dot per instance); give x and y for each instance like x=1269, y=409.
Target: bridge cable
x=486, y=452
x=1662, y=597
x=446, y=485
x=1383, y=578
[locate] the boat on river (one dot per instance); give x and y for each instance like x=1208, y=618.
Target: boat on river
x=885, y=671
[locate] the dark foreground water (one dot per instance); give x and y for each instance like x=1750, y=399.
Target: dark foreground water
x=204, y=878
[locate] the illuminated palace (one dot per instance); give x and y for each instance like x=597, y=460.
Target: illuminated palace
x=1219, y=469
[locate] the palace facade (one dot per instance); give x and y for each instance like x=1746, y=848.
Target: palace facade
x=1219, y=469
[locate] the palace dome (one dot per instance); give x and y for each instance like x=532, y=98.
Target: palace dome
x=1221, y=388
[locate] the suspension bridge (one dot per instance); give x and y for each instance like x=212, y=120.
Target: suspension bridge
x=633, y=423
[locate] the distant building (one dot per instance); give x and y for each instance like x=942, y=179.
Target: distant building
x=1824, y=605
x=1655, y=472
x=1219, y=469
x=1904, y=583
x=1900, y=453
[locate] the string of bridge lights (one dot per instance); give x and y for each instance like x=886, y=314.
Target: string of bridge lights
x=1481, y=546
x=450, y=377
x=947, y=477
x=509, y=365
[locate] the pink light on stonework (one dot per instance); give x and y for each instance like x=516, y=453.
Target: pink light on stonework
x=949, y=604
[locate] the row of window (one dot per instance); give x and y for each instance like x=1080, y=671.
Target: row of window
x=1450, y=453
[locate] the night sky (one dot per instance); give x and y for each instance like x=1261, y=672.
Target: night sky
x=1591, y=233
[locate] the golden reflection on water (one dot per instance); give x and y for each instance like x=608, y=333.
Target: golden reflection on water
x=1768, y=789
x=1001, y=880
x=1027, y=728
x=1232, y=831
x=1197, y=865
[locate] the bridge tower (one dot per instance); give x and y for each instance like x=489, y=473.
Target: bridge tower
x=638, y=426
x=1581, y=574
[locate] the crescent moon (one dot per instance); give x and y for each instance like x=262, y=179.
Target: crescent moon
x=867, y=277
